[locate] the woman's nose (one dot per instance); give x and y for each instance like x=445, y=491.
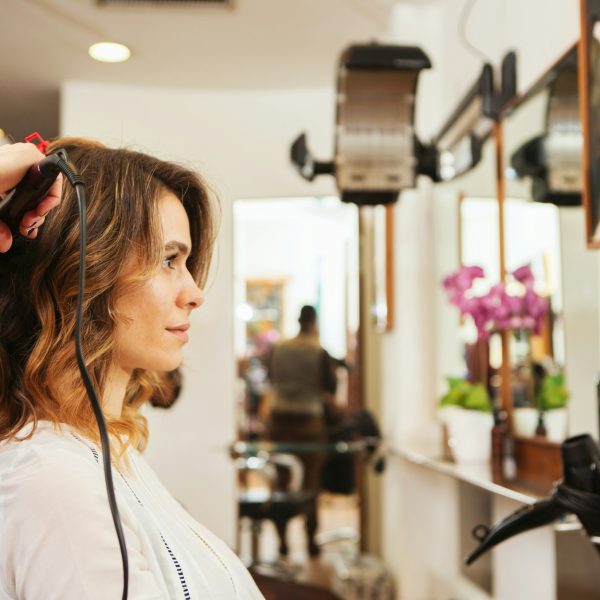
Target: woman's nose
x=191, y=295
x=196, y=298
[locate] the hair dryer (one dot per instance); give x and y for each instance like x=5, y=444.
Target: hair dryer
x=577, y=493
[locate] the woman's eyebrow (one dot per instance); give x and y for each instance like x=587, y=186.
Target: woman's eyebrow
x=175, y=245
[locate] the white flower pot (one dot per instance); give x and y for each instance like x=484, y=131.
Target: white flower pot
x=525, y=421
x=470, y=435
x=556, y=424
x=444, y=413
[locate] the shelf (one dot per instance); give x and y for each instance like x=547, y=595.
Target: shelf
x=479, y=475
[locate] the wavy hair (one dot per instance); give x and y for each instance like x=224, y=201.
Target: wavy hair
x=39, y=377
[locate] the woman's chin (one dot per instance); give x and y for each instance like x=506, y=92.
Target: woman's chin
x=171, y=365
x=158, y=361
x=168, y=362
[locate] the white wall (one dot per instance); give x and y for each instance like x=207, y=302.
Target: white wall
x=240, y=142
x=581, y=321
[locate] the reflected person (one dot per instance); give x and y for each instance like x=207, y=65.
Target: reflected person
x=303, y=379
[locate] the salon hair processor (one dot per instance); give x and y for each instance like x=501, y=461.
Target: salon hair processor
x=24, y=197
x=577, y=493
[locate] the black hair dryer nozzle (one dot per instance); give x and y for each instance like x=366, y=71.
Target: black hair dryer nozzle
x=578, y=493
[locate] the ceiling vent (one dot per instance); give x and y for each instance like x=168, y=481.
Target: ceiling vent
x=222, y=3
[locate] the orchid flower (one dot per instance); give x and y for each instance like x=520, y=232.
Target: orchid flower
x=496, y=309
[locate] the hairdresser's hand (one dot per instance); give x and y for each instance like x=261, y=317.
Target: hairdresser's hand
x=15, y=160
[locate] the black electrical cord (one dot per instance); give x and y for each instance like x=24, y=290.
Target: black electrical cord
x=77, y=182
x=462, y=31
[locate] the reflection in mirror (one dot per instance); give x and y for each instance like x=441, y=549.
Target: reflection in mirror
x=537, y=247
x=296, y=293
x=543, y=156
x=544, y=138
x=288, y=253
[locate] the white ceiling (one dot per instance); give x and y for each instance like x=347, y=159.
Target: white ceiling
x=255, y=44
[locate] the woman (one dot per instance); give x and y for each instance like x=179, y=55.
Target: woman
x=150, y=236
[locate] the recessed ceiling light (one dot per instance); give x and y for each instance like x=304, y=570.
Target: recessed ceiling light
x=110, y=52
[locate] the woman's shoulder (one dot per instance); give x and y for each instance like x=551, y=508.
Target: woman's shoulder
x=51, y=473
x=51, y=448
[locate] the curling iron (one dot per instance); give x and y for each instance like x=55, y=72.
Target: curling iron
x=30, y=190
x=577, y=493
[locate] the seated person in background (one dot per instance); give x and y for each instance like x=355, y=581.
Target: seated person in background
x=150, y=236
x=302, y=380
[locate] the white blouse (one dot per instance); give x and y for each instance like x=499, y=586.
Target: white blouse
x=57, y=539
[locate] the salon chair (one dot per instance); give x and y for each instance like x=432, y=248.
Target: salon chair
x=269, y=503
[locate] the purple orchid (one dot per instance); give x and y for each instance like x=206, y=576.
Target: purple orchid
x=496, y=309
x=462, y=280
x=524, y=274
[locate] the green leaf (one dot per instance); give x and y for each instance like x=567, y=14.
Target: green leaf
x=553, y=393
x=478, y=399
x=466, y=395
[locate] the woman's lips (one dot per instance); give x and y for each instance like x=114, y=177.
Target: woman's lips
x=180, y=331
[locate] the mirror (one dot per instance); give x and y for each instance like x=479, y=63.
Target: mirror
x=545, y=226
x=296, y=273
x=291, y=252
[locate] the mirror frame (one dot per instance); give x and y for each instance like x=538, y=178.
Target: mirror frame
x=590, y=15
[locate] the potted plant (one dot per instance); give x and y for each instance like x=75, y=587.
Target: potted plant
x=513, y=306
x=552, y=399
x=466, y=411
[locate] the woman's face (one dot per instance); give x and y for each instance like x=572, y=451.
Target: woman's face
x=155, y=314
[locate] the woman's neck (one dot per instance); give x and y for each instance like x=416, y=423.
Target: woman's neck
x=114, y=392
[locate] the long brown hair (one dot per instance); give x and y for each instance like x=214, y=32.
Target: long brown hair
x=39, y=284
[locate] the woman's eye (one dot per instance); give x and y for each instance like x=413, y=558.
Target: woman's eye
x=169, y=262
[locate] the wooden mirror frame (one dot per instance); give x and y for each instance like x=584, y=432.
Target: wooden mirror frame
x=590, y=15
